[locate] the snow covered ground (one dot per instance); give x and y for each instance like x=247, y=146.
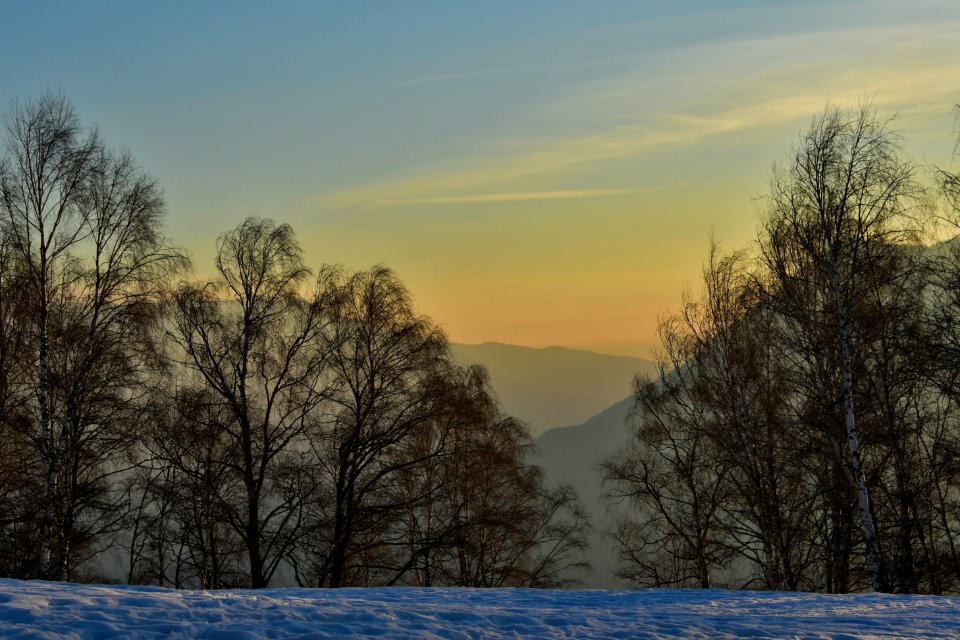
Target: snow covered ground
x=47, y=610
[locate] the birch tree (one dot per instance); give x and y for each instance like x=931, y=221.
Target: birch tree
x=18, y=487
x=479, y=514
x=383, y=359
x=837, y=204
x=704, y=470
x=49, y=157
x=252, y=339
x=84, y=226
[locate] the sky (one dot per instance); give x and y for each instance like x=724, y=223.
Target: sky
x=538, y=172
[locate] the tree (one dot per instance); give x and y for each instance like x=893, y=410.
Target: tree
x=940, y=443
x=383, y=360
x=836, y=207
x=84, y=224
x=255, y=343
x=693, y=459
x=741, y=379
x=801, y=380
x=478, y=514
x=180, y=532
x=19, y=490
x=47, y=163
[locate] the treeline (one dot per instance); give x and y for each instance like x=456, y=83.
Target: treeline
x=272, y=425
x=804, y=432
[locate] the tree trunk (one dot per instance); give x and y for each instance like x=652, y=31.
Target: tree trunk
x=863, y=496
x=48, y=448
x=252, y=534
x=257, y=581
x=252, y=525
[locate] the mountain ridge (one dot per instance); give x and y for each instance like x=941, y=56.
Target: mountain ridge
x=577, y=403
x=552, y=347
x=572, y=455
x=555, y=386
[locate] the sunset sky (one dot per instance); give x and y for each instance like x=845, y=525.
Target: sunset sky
x=538, y=172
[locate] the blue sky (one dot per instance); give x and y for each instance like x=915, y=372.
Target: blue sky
x=538, y=172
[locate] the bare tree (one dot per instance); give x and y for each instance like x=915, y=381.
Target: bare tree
x=48, y=160
x=180, y=533
x=721, y=477
x=20, y=490
x=671, y=477
x=842, y=198
x=383, y=359
x=254, y=342
x=84, y=223
x=484, y=517
x=110, y=356
x=742, y=380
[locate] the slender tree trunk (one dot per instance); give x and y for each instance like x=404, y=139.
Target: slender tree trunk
x=65, y=530
x=252, y=529
x=863, y=496
x=48, y=447
x=335, y=574
x=347, y=474
x=213, y=581
x=341, y=535
x=257, y=580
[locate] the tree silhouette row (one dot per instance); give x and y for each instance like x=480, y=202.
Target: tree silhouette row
x=270, y=426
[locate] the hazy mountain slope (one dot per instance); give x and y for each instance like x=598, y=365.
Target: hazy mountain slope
x=555, y=386
x=571, y=455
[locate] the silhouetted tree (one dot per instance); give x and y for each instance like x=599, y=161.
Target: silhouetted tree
x=253, y=341
x=20, y=488
x=181, y=533
x=484, y=516
x=836, y=207
x=738, y=454
x=382, y=358
x=48, y=159
x=742, y=380
x=675, y=474
x=84, y=225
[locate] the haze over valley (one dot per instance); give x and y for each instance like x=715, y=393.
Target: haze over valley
x=554, y=386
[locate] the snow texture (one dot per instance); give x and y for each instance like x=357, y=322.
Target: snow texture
x=37, y=610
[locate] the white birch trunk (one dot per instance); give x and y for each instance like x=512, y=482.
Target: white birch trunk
x=863, y=496
x=48, y=448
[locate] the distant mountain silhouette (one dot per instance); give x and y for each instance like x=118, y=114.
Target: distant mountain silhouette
x=555, y=386
x=572, y=455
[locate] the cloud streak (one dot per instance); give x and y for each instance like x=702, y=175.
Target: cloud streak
x=458, y=75
x=909, y=66
x=513, y=196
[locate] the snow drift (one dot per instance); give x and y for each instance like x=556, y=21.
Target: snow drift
x=38, y=610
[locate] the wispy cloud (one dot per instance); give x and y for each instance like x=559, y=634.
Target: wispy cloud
x=458, y=75
x=512, y=69
x=761, y=82
x=513, y=196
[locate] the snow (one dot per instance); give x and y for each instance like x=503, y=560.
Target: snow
x=35, y=610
